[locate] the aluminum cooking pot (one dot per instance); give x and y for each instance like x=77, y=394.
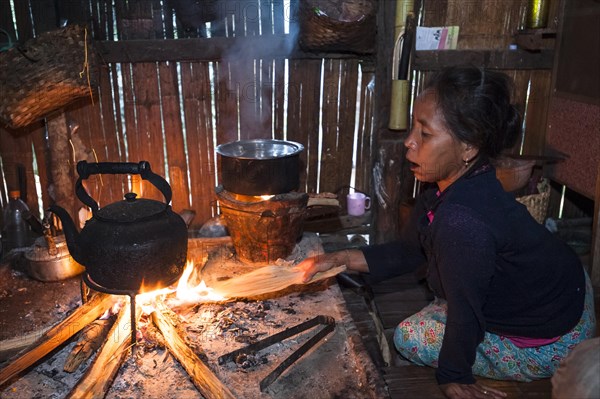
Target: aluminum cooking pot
x=131, y=243
x=260, y=167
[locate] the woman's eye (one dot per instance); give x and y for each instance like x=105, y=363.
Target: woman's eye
x=425, y=135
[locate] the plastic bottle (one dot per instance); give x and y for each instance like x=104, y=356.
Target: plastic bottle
x=16, y=232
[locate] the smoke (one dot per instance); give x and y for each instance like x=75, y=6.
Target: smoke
x=251, y=75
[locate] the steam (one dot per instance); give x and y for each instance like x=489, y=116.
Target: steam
x=248, y=81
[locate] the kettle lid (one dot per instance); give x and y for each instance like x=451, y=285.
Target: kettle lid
x=130, y=210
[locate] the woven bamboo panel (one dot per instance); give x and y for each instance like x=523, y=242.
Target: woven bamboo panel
x=45, y=74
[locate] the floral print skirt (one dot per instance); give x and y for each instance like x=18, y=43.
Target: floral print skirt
x=419, y=339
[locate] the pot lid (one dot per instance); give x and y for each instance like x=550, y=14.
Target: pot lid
x=130, y=210
x=260, y=149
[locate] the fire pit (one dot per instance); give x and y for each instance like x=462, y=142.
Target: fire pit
x=211, y=330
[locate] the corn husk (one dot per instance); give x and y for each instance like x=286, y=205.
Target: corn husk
x=268, y=279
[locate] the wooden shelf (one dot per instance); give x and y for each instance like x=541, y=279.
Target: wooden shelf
x=536, y=39
x=210, y=49
x=493, y=59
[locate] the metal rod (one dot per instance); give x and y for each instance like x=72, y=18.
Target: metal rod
x=133, y=328
x=327, y=321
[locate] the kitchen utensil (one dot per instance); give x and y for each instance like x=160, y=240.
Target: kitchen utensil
x=44, y=266
x=327, y=321
x=129, y=243
x=260, y=167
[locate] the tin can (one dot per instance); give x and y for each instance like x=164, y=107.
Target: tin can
x=537, y=14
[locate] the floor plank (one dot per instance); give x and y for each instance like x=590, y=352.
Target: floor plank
x=391, y=302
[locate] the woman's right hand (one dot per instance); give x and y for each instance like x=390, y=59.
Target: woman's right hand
x=353, y=259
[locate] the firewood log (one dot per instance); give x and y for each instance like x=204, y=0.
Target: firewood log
x=92, y=337
x=58, y=334
x=203, y=378
x=98, y=378
x=9, y=347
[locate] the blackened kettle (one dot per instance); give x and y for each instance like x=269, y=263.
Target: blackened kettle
x=129, y=245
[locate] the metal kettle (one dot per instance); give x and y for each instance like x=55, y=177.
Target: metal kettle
x=130, y=244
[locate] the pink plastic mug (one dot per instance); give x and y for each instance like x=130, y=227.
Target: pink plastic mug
x=358, y=203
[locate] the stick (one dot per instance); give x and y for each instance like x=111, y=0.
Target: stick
x=92, y=337
x=11, y=346
x=81, y=317
x=97, y=379
x=203, y=378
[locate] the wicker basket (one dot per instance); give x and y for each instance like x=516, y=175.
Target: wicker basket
x=537, y=204
x=45, y=74
x=337, y=25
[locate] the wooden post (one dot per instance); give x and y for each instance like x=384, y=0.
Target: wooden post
x=81, y=317
x=61, y=164
x=203, y=378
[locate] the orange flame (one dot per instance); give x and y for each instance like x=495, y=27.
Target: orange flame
x=185, y=293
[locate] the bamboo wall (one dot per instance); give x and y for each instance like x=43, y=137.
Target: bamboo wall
x=170, y=114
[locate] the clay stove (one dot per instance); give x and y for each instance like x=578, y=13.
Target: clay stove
x=263, y=212
x=263, y=229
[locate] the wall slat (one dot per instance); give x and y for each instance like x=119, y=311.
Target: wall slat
x=109, y=146
x=198, y=123
x=537, y=110
x=251, y=17
x=303, y=116
x=332, y=136
x=226, y=98
x=148, y=134
x=365, y=136
x=173, y=133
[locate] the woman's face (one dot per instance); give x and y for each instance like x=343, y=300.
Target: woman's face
x=436, y=156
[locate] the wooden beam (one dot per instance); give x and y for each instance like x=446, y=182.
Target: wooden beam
x=81, y=317
x=207, y=49
x=203, y=378
x=493, y=59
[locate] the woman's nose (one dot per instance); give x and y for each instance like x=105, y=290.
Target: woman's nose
x=410, y=142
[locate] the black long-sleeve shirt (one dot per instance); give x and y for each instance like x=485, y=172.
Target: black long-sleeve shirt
x=498, y=269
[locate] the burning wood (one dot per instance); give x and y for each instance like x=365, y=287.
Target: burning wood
x=81, y=317
x=203, y=378
x=92, y=337
x=98, y=378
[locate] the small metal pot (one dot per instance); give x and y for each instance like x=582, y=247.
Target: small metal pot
x=260, y=167
x=43, y=266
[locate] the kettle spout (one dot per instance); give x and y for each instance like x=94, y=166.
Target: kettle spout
x=71, y=233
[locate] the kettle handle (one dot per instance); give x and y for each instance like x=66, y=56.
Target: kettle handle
x=142, y=168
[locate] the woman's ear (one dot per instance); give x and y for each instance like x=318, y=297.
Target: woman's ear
x=470, y=152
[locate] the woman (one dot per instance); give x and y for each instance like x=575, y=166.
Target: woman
x=511, y=299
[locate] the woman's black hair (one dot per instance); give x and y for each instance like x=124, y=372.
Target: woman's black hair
x=475, y=104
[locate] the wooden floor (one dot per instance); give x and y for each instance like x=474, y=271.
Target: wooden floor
x=378, y=308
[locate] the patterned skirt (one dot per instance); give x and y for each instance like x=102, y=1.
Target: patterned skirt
x=419, y=339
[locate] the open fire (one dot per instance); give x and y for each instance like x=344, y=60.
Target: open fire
x=208, y=315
